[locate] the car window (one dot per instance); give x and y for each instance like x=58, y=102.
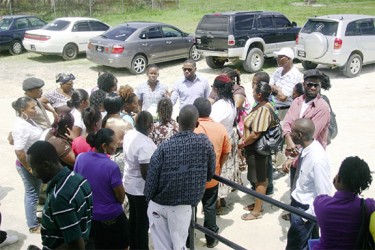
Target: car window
x=57, y=25
x=36, y=22
x=366, y=27
x=171, y=32
x=81, y=26
x=214, y=23
x=244, y=22
x=120, y=33
x=281, y=22
x=98, y=26
x=5, y=23
x=327, y=28
x=22, y=23
x=265, y=22
x=152, y=33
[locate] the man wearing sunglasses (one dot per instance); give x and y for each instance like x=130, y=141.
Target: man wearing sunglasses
x=191, y=86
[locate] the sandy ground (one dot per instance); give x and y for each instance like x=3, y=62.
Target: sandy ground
x=351, y=99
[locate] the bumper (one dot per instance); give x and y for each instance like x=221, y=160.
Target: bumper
x=330, y=58
x=42, y=48
x=229, y=53
x=110, y=60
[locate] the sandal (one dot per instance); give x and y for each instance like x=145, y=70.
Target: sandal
x=250, y=207
x=35, y=230
x=251, y=216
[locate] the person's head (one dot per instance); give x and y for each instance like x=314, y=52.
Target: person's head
x=261, y=92
x=297, y=90
x=92, y=118
x=130, y=99
x=152, y=73
x=325, y=82
x=107, y=82
x=33, y=87
x=285, y=57
x=79, y=99
x=25, y=107
x=223, y=87
x=260, y=76
x=188, y=118
x=144, y=122
x=165, y=109
x=66, y=81
x=43, y=160
x=113, y=104
x=303, y=131
x=104, y=141
x=203, y=106
x=97, y=99
x=62, y=123
x=354, y=176
x=312, y=80
x=233, y=74
x=189, y=68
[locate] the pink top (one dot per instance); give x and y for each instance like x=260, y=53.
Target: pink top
x=317, y=111
x=79, y=145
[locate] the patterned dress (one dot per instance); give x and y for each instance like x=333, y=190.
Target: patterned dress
x=163, y=131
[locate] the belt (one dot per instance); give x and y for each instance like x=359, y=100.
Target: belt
x=282, y=107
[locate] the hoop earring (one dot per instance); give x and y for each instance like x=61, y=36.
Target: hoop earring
x=24, y=116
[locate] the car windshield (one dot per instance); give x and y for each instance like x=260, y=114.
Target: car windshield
x=5, y=23
x=57, y=25
x=214, y=23
x=120, y=33
x=327, y=28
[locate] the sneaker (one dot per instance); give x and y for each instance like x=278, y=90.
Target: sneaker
x=35, y=230
x=213, y=244
x=10, y=239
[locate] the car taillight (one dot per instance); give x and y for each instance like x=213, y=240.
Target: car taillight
x=37, y=37
x=297, y=38
x=337, y=44
x=90, y=46
x=231, y=40
x=117, y=49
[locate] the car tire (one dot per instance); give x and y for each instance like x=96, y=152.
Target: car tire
x=193, y=53
x=139, y=64
x=214, y=62
x=353, y=66
x=70, y=52
x=16, y=47
x=309, y=65
x=254, y=60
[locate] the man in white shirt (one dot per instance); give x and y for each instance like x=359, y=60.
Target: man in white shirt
x=312, y=179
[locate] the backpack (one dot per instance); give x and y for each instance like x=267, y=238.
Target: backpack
x=332, y=128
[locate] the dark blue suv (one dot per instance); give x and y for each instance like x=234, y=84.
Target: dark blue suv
x=12, y=31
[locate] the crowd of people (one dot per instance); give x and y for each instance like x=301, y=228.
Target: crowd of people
x=112, y=147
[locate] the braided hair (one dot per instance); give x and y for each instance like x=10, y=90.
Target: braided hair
x=165, y=110
x=223, y=86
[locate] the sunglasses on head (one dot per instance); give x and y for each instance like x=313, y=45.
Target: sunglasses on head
x=311, y=84
x=188, y=69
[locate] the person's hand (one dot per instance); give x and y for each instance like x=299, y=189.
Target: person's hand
x=10, y=138
x=291, y=149
x=241, y=145
x=69, y=134
x=286, y=165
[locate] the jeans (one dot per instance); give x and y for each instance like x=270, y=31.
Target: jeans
x=32, y=190
x=209, y=208
x=138, y=222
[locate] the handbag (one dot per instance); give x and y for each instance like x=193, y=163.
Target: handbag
x=271, y=141
x=364, y=238
x=332, y=128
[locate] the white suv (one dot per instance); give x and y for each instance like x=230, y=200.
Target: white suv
x=345, y=41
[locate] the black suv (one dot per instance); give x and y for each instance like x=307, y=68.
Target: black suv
x=247, y=36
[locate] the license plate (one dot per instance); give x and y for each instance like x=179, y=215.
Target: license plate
x=301, y=53
x=199, y=41
x=32, y=47
x=99, y=48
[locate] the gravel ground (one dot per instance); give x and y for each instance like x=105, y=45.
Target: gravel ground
x=352, y=100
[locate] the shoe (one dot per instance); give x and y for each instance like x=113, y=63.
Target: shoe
x=10, y=239
x=35, y=230
x=213, y=244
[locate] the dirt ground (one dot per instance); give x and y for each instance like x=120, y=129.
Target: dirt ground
x=352, y=100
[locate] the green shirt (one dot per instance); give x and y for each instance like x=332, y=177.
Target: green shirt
x=68, y=210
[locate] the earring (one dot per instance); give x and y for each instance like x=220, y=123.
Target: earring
x=24, y=116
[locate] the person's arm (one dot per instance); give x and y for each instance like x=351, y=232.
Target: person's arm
x=321, y=120
x=75, y=132
x=239, y=100
x=278, y=93
x=47, y=106
x=174, y=94
x=144, y=168
x=119, y=192
x=223, y=159
x=250, y=139
x=211, y=161
x=292, y=114
x=153, y=173
x=69, y=158
x=21, y=156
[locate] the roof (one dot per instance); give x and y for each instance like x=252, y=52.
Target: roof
x=140, y=24
x=229, y=13
x=16, y=16
x=76, y=18
x=342, y=17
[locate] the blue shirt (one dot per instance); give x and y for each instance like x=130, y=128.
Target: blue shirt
x=179, y=170
x=151, y=98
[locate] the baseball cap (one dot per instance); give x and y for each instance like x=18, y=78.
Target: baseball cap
x=32, y=83
x=313, y=73
x=285, y=52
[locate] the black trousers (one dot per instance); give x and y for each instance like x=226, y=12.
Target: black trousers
x=209, y=208
x=138, y=221
x=3, y=235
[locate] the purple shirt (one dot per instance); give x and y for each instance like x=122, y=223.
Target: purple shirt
x=103, y=175
x=339, y=219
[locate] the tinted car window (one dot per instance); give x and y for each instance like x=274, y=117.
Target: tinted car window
x=366, y=27
x=35, y=22
x=244, y=22
x=152, y=33
x=265, y=22
x=57, y=25
x=22, y=23
x=281, y=22
x=327, y=28
x=81, y=27
x=214, y=23
x=5, y=23
x=170, y=32
x=120, y=33
x=98, y=26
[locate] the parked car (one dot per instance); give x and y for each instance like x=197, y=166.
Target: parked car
x=12, y=31
x=134, y=45
x=344, y=41
x=66, y=36
x=248, y=36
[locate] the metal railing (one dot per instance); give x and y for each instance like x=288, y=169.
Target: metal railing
x=251, y=192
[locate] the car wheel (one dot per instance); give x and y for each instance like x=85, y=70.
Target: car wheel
x=16, y=47
x=193, y=54
x=138, y=65
x=254, y=60
x=353, y=66
x=70, y=52
x=214, y=62
x=309, y=65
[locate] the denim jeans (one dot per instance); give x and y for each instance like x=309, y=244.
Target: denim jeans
x=32, y=190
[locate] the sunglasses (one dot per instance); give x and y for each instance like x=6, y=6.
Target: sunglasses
x=311, y=84
x=188, y=69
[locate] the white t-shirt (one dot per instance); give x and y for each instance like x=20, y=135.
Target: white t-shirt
x=224, y=112
x=78, y=120
x=24, y=134
x=138, y=149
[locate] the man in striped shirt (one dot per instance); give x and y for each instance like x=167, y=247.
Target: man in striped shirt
x=67, y=213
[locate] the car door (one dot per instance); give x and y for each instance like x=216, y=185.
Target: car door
x=35, y=23
x=175, y=42
x=20, y=26
x=286, y=36
x=81, y=32
x=267, y=31
x=153, y=44
x=366, y=38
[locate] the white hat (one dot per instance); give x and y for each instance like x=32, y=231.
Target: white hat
x=285, y=52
